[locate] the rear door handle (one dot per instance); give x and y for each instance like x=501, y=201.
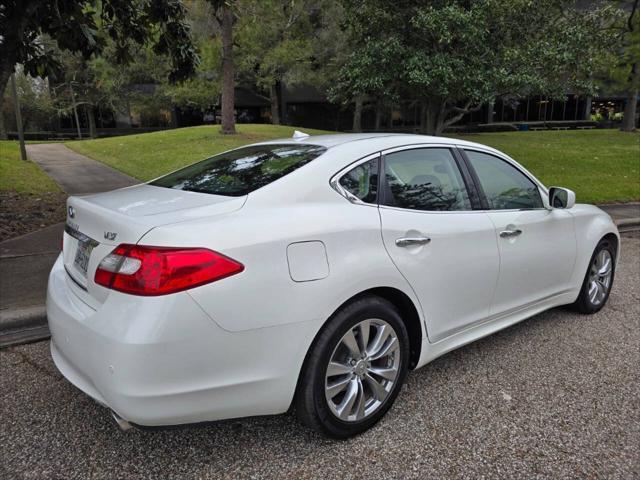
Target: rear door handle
x=410, y=241
x=510, y=233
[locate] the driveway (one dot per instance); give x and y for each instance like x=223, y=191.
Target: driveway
x=556, y=396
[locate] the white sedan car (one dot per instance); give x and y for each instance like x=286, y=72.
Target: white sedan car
x=310, y=273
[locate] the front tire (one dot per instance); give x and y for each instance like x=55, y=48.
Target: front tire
x=598, y=280
x=354, y=369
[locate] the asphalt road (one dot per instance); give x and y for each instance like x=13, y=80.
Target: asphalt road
x=556, y=396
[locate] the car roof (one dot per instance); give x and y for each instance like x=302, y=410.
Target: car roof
x=393, y=139
x=346, y=149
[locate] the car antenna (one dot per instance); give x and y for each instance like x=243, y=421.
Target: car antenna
x=298, y=135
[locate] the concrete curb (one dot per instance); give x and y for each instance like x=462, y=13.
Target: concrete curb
x=627, y=225
x=23, y=325
x=12, y=318
x=626, y=222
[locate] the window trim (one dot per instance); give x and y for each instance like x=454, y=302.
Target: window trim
x=466, y=180
x=542, y=190
x=335, y=180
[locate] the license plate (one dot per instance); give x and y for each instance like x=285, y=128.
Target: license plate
x=83, y=253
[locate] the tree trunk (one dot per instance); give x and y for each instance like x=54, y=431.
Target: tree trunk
x=629, y=118
x=422, y=127
x=16, y=106
x=436, y=115
x=3, y=126
x=75, y=111
x=432, y=117
x=3, y=85
x=432, y=126
x=228, y=80
x=275, y=103
x=357, y=114
x=91, y=116
x=174, y=117
x=6, y=69
x=378, y=116
x=490, y=106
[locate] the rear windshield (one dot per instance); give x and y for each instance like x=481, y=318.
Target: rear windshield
x=241, y=171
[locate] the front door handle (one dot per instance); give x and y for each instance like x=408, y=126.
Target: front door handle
x=510, y=233
x=410, y=241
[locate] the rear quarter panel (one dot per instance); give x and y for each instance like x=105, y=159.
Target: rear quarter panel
x=264, y=294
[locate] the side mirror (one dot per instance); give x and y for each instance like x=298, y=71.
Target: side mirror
x=561, y=197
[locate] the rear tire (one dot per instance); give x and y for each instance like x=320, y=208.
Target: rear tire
x=598, y=280
x=355, y=369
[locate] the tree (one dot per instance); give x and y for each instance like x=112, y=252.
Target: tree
x=202, y=91
x=453, y=56
x=332, y=48
x=78, y=89
x=225, y=17
x=35, y=101
x=624, y=70
x=76, y=26
x=228, y=72
x=274, y=40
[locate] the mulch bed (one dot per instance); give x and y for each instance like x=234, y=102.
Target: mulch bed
x=23, y=213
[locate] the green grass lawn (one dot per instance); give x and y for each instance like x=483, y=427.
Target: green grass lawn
x=149, y=155
x=599, y=165
x=20, y=176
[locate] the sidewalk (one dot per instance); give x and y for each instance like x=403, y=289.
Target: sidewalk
x=25, y=261
x=75, y=173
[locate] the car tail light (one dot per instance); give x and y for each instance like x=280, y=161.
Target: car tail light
x=151, y=271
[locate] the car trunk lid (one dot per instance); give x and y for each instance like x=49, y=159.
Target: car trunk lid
x=96, y=224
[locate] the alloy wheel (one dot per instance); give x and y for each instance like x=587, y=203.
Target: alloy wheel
x=362, y=370
x=600, y=277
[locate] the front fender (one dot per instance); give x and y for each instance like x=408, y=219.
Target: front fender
x=591, y=224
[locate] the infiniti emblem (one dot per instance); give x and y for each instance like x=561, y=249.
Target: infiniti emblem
x=72, y=212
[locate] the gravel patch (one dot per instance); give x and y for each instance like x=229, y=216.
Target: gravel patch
x=556, y=396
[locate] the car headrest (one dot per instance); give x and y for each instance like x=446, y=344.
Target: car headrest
x=430, y=180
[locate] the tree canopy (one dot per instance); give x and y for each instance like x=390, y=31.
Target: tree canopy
x=84, y=26
x=452, y=56
x=275, y=39
x=448, y=57
x=622, y=72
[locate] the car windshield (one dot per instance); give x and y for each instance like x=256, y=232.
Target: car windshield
x=241, y=171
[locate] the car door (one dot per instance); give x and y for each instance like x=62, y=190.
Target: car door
x=537, y=245
x=444, y=248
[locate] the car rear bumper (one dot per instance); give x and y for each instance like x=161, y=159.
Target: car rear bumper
x=163, y=361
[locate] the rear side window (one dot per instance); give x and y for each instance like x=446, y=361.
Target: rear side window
x=504, y=186
x=424, y=179
x=241, y=171
x=362, y=181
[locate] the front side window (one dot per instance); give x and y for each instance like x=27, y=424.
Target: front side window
x=505, y=187
x=424, y=179
x=362, y=181
x=241, y=171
